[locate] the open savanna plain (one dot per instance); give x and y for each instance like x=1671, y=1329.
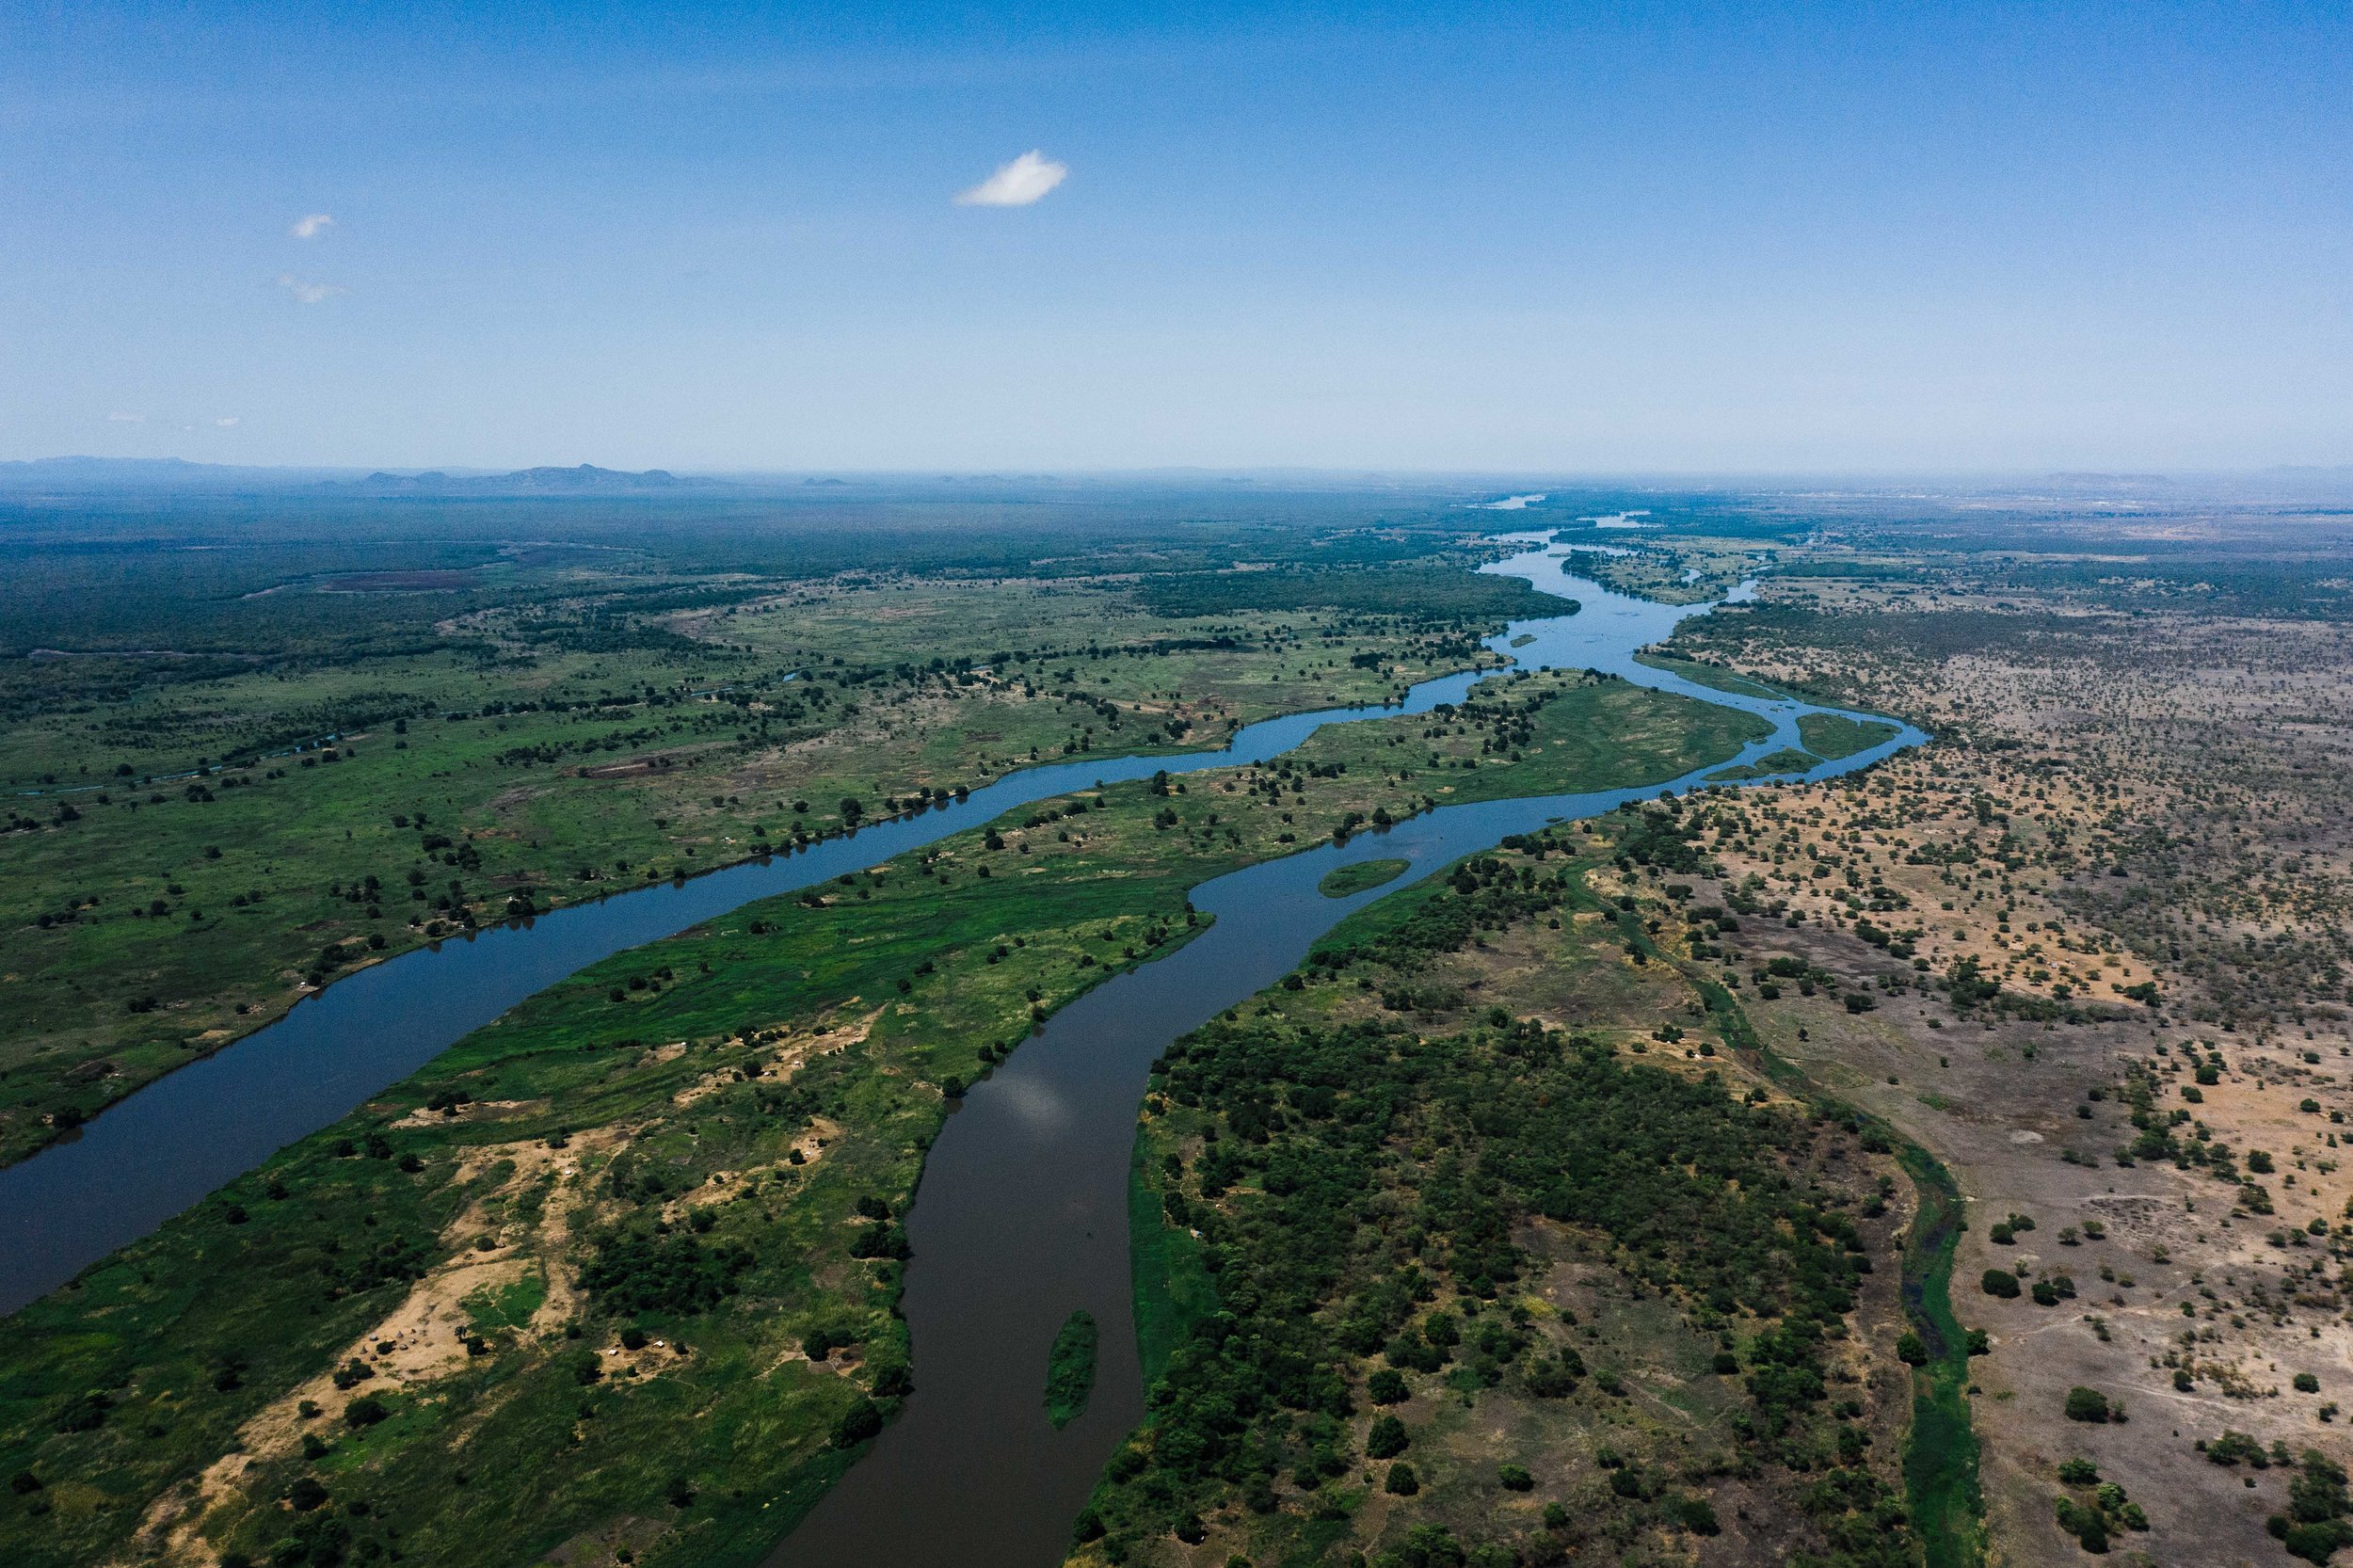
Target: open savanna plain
x=2088, y=949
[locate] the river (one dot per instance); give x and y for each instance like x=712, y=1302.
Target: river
x=1022, y=1213
x=1022, y=1216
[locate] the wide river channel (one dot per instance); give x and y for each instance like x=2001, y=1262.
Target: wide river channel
x=1022, y=1215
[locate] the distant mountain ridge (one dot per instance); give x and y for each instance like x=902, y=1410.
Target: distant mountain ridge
x=87, y=474
x=110, y=466
x=147, y=474
x=587, y=478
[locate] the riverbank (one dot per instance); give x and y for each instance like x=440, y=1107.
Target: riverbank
x=1578, y=1399
x=189, y=859
x=668, y=1116
x=710, y=1144
x=1939, y=1454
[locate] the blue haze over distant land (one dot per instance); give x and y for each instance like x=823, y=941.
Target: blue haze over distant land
x=1547, y=238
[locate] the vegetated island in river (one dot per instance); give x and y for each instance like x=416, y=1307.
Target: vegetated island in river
x=1362, y=875
x=1070, y=1369
x=1836, y=736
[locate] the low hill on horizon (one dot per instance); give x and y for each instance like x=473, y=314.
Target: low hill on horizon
x=75, y=475
x=585, y=479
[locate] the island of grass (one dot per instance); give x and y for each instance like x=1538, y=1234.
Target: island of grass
x=1362, y=875
x=1070, y=1369
x=1660, y=573
x=1787, y=760
x=1712, y=676
x=1835, y=735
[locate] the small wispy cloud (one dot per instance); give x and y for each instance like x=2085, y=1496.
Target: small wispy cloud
x=230, y=421
x=309, y=293
x=311, y=225
x=1018, y=184
x=118, y=417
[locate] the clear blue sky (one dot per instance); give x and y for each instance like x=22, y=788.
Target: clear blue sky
x=1558, y=238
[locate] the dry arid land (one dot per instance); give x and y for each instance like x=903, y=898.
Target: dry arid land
x=2101, y=924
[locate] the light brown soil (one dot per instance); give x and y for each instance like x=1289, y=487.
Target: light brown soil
x=417, y=1343
x=2086, y=758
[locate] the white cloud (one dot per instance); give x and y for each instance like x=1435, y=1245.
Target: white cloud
x=309, y=293
x=311, y=225
x=118, y=417
x=1018, y=184
x=228, y=421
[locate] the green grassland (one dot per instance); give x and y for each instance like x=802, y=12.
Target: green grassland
x=695, y=1152
x=156, y=918
x=1174, y=1290
x=334, y=578
x=1941, y=1457
x=1835, y=736
x=1713, y=675
x=879, y=621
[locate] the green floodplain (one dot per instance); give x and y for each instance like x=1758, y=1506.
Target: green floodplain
x=659, y=1200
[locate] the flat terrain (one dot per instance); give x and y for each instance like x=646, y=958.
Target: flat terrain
x=1938, y=1164
x=582, y=1259
x=199, y=842
x=2098, y=928
x=1531, y=1265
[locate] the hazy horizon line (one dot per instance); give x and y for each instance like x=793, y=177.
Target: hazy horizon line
x=2079, y=472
